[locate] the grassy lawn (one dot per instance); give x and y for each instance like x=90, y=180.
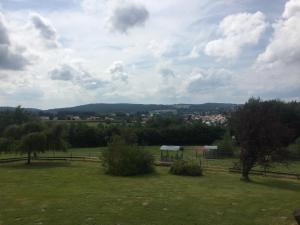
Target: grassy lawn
x=79, y=193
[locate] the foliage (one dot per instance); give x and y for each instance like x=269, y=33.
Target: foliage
x=33, y=143
x=226, y=145
x=177, y=132
x=157, y=132
x=18, y=116
x=126, y=159
x=294, y=149
x=5, y=145
x=186, y=168
x=82, y=135
x=24, y=133
x=13, y=132
x=55, y=137
x=263, y=129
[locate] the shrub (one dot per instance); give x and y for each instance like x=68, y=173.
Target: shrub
x=124, y=159
x=186, y=168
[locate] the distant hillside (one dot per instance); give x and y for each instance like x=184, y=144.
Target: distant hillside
x=111, y=108
x=133, y=108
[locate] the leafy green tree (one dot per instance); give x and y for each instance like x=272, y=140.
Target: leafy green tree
x=6, y=145
x=124, y=159
x=263, y=131
x=226, y=145
x=13, y=132
x=33, y=143
x=55, y=137
x=20, y=116
x=33, y=126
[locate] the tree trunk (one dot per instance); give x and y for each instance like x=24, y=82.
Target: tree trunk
x=246, y=168
x=28, y=158
x=247, y=162
x=245, y=174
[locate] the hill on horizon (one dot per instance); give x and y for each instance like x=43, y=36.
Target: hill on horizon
x=133, y=108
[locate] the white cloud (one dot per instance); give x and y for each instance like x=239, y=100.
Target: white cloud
x=64, y=73
x=166, y=72
x=237, y=30
x=77, y=76
x=116, y=70
x=127, y=16
x=208, y=80
x=46, y=30
x=284, y=47
x=11, y=56
x=292, y=8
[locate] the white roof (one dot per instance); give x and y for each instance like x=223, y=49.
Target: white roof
x=169, y=148
x=211, y=147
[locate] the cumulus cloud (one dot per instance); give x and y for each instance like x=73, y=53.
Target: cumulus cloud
x=46, y=30
x=277, y=67
x=77, y=76
x=202, y=80
x=127, y=16
x=65, y=73
x=284, y=45
x=166, y=72
x=11, y=58
x=3, y=76
x=116, y=70
x=237, y=30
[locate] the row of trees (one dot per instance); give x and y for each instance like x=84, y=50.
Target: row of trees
x=156, y=132
x=24, y=133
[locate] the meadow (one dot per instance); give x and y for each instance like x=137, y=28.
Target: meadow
x=76, y=193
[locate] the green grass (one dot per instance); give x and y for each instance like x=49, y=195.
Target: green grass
x=77, y=193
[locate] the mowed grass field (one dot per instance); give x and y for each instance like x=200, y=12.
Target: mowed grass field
x=77, y=193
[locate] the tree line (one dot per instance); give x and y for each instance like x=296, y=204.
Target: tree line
x=157, y=131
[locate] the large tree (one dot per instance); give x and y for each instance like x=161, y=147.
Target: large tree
x=263, y=130
x=33, y=143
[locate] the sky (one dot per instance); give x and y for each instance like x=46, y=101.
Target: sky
x=63, y=53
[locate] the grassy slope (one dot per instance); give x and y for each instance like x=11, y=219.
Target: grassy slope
x=79, y=193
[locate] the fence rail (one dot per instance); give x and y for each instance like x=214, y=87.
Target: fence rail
x=62, y=158
x=268, y=173
x=157, y=163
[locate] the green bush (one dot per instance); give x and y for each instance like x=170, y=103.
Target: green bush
x=186, y=168
x=125, y=159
